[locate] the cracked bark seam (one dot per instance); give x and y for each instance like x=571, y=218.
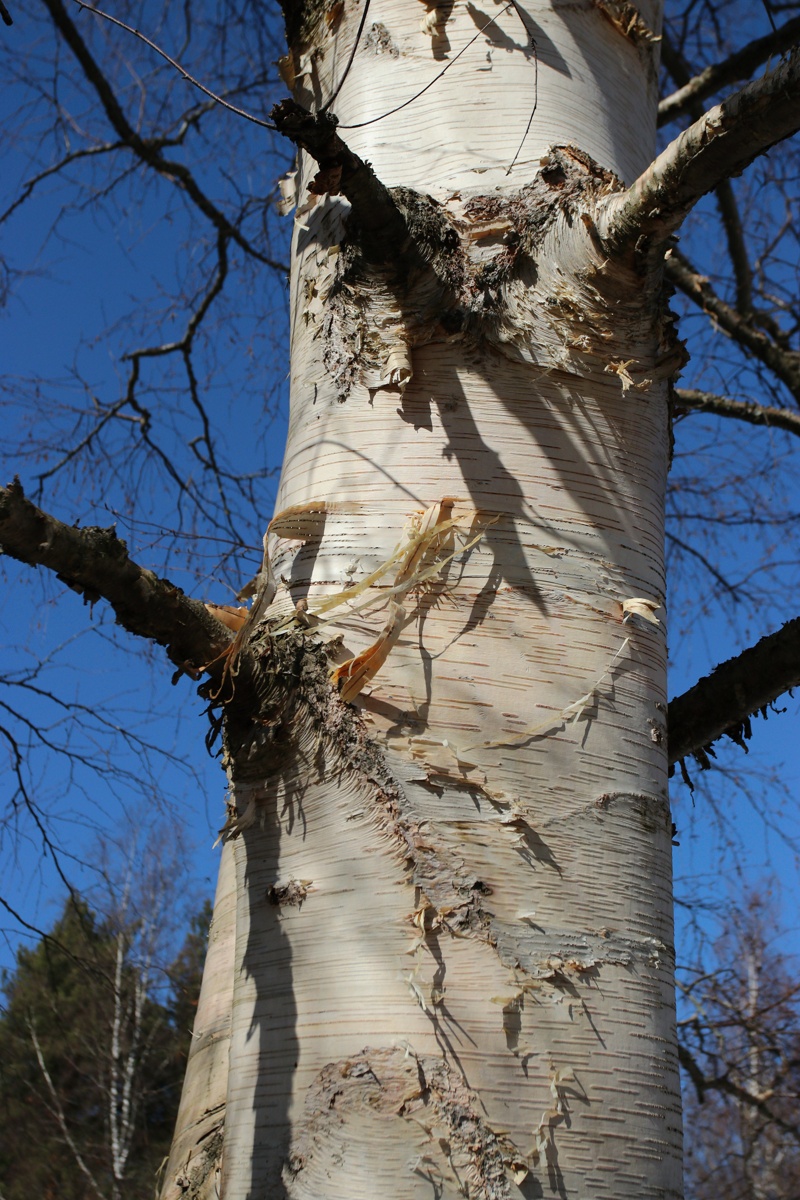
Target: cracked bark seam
x=449, y=896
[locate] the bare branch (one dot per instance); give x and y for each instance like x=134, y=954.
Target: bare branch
x=726, y=199
x=184, y=344
x=190, y=119
x=58, y=1112
x=785, y=363
x=74, y=156
x=148, y=150
x=730, y=588
x=734, y=233
x=722, y=702
x=40, y=934
x=383, y=228
x=692, y=400
x=722, y=143
x=723, y=1083
x=95, y=563
x=240, y=112
x=740, y=65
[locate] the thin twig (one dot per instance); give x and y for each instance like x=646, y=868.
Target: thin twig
x=693, y=400
x=450, y=63
x=58, y=1112
x=28, y=187
x=535, y=105
x=240, y=112
x=350, y=60
x=712, y=570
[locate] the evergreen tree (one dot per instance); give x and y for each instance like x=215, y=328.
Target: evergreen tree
x=74, y=1010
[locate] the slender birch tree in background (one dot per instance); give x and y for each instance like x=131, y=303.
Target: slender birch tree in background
x=442, y=961
x=94, y=1036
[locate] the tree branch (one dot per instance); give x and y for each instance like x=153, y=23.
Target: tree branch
x=95, y=563
x=382, y=226
x=692, y=400
x=214, y=96
x=58, y=1112
x=730, y=588
x=722, y=143
x=67, y=160
x=738, y=66
x=734, y=233
x=785, y=363
x=147, y=150
x=726, y=199
x=723, y=1083
x=722, y=702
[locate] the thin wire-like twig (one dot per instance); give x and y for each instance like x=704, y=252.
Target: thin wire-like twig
x=533, y=110
x=338, y=87
x=240, y=112
x=533, y=47
x=451, y=62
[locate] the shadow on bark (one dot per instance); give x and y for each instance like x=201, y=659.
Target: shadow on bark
x=267, y=964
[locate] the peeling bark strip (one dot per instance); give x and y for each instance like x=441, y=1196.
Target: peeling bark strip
x=721, y=703
x=625, y=17
x=359, y=1099
x=95, y=564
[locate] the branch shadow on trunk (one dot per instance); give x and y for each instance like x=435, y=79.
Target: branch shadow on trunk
x=267, y=963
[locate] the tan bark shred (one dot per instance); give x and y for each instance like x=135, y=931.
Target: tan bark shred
x=230, y=615
x=456, y=1143
x=628, y=20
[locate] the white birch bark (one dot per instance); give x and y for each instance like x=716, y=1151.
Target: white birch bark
x=195, y=1159
x=454, y=934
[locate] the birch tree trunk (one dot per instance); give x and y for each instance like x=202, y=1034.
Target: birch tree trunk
x=454, y=952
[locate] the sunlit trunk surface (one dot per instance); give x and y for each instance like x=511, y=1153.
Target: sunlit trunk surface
x=453, y=965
